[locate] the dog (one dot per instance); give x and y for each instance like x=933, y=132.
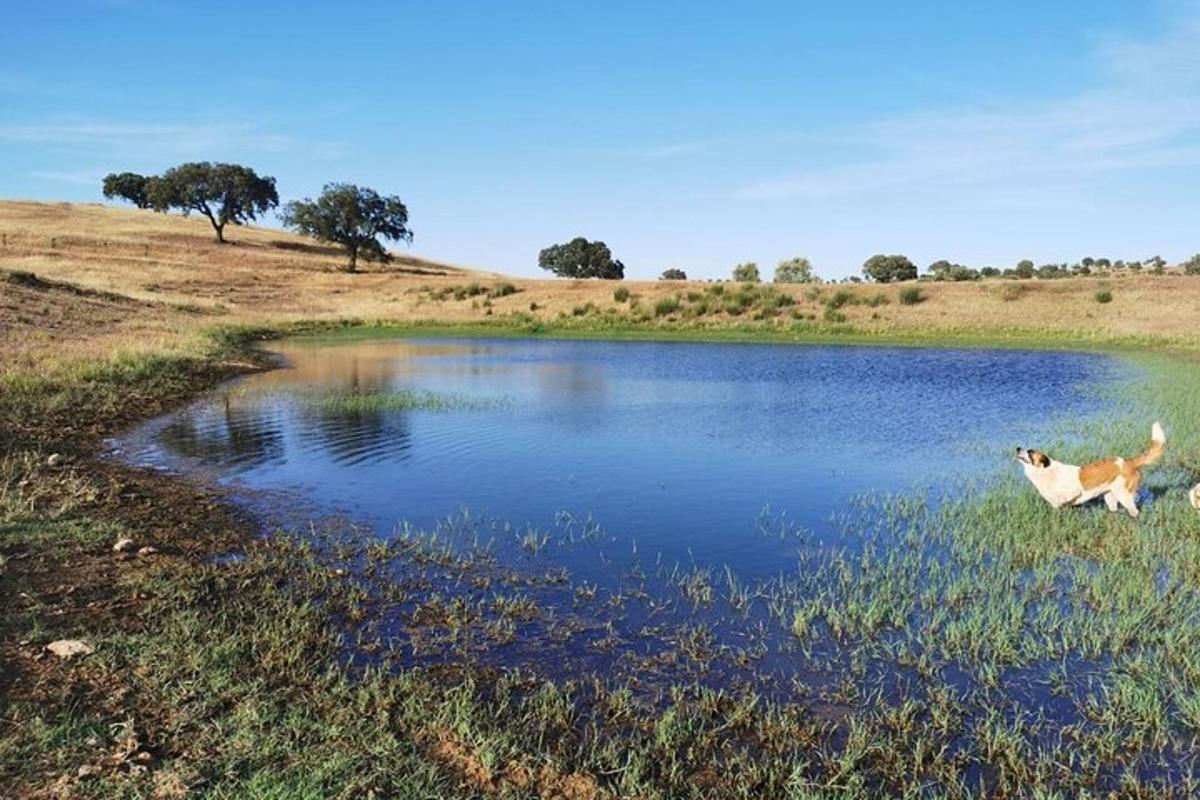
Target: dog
x=1116, y=479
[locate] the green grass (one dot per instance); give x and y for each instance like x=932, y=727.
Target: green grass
x=910, y=296
x=394, y=400
x=232, y=675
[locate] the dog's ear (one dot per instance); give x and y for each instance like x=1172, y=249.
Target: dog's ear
x=1041, y=459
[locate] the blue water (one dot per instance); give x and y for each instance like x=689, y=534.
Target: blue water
x=674, y=449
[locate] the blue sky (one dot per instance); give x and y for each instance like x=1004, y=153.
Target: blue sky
x=686, y=134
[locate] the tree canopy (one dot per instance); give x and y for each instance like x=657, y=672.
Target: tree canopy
x=794, y=270
x=129, y=186
x=223, y=193
x=580, y=258
x=943, y=270
x=746, y=273
x=889, y=269
x=673, y=274
x=354, y=217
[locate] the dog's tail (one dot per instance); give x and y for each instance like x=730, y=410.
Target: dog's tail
x=1154, y=452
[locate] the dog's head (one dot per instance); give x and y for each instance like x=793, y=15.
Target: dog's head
x=1033, y=458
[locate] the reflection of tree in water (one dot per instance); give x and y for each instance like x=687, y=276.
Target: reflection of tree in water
x=234, y=434
x=354, y=436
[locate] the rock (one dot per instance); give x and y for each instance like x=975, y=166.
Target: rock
x=55, y=460
x=123, y=544
x=1194, y=497
x=69, y=648
x=147, y=551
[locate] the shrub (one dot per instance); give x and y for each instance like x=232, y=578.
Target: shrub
x=840, y=298
x=746, y=273
x=503, y=290
x=1192, y=265
x=1104, y=296
x=794, y=270
x=878, y=300
x=1013, y=291
x=832, y=315
x=620, y=294
x=673, y=274
x=910, y=296
x=667, y=305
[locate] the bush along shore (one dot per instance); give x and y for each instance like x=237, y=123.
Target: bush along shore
x=978, y=643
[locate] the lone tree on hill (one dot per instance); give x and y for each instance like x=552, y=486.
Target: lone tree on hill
x=889, y=269
x=746, y=273
x=128, y=186
x=580, y=258
x=673, y=274
x=222, y=192
x=354, y=217
x=794, y=270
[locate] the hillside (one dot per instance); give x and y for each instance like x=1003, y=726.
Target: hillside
x=94, y=278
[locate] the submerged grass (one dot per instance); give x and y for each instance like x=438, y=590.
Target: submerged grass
x=391, y=400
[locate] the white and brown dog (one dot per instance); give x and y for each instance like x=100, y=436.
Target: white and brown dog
x=1116, y=479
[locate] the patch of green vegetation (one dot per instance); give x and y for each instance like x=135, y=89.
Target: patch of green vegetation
x=910, y=296
x=392, y=400
x=621, y=294
x=665, y=306
x=1104, y=296
x=1012, y=291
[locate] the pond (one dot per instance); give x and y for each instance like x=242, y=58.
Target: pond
x=678, y=448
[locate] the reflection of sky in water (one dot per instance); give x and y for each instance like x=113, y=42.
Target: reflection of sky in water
x=676, y=446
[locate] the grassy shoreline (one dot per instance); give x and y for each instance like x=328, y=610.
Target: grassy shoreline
x=225, y=679
x=350, y=330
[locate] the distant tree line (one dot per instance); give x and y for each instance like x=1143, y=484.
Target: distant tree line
x=358, y=218
x=351, y=216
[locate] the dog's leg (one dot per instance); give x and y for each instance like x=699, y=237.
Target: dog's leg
x=1110, y=500
x=1127, y=501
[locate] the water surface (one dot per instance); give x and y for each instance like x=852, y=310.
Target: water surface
x=673, y=448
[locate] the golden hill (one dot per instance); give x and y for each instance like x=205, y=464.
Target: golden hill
x=110, y=279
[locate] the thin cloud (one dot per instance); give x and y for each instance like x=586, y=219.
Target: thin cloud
x=675, y=150
x=154, y=138
x=1144, y=112
x=79, y=178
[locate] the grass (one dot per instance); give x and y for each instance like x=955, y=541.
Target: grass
x=242, y=685
x=394, y=400
x=910, y=296
x=983, y=644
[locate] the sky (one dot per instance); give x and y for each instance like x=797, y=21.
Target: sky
x=683, y=134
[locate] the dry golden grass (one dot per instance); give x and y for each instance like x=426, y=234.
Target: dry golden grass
x=173, y=280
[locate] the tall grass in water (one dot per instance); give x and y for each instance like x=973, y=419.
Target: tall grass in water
x=391, y=400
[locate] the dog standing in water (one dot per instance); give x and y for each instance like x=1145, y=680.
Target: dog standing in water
x=1116, y=479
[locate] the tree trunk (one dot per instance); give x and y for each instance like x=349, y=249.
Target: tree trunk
x=219, y=228
x=353, y=265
